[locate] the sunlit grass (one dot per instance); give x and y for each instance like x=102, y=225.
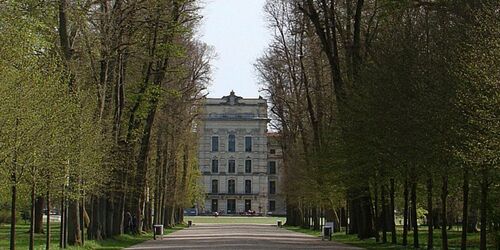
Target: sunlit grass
x=118, y=242
x=454, y=239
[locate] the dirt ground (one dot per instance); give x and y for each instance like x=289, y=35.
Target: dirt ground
x=238, y=236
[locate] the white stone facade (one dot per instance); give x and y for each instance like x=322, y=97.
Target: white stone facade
x=275, y=157
x=234, y=157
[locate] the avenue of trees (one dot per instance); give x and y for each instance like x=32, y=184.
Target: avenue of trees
x=98, y=101
x=388, y=110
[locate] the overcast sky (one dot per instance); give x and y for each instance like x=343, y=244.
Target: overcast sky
x=237, y=31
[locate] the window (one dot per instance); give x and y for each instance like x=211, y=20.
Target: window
x=272, y=151
x=248, y=186
x=231, y=166
x=231, y=187
x=215, y=205
x=272, y=187
x=272, y=167
x=231, y=143
x=215, y=186
x=215, y=166
x=215, y=143
x=248, y=205
x=248, y=144
x=248, y=166
x=231, y=206
x=272, y=206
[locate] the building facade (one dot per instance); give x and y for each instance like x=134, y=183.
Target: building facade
x=239, y=171
x=275, y=172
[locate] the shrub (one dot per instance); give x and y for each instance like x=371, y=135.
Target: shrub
x=5, y=216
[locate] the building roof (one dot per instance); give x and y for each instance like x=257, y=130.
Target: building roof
x=233, y=99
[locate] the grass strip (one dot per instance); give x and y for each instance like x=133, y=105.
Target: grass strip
x=454, y=238
x=117, y=242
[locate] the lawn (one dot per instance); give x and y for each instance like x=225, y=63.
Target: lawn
x=454, y=238
x=118, y=242
x=234, y=219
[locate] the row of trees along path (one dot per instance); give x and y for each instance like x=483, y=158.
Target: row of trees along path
x=98, y=101
x=387, y=110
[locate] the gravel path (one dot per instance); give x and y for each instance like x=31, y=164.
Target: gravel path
x=238, y=236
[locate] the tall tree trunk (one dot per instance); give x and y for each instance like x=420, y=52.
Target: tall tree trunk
x=393, y=219
x=13, y=211
x=444, y=211
x=64, y=40
x=348, y=213
x=473, y=216
x=142, y=167
x=169, y=216
x=384, y=215
x=353, y=212
x=162, y=206
x=293, y=215
x=47, y=239
x=430, y=223
x=158, y=176
x=414, y=213
x=119, y=213
x=405, y=213
x=315, y=217
x=366, y=228
x=377, y=214
x=180, y=212
x=308, y=217
x=109, y=214
x=82, y=221
x=148, y=225
x=39, y=206
x=328, y=37
x=484, y=208
x=465, y=209
x=63, y=222
x=32, y=219
x=73, y=224
x=337, y=219
x=96, y=227
x=65, y=232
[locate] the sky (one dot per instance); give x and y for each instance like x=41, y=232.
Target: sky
x=236, y=29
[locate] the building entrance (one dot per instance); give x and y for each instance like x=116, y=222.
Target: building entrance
x=248, y=205
x=215, y=205
x=231, y=206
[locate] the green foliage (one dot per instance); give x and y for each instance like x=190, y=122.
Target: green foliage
x=412, y=97
x=73, y=119
x=5, y=216
x=48, y=135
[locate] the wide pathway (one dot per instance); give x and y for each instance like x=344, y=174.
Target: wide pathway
x=238, y=236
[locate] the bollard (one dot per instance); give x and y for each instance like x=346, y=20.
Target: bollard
x=157, y=230
x=280, y=223
x=327, y=231
x=190, y=223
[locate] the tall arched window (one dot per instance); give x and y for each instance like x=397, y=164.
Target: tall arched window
x=215, y=166
x=231, y=166
x=231, y=187
x=215, y=186
x=248, y=166
x=248, y=144
x=248, y=186
x=215, y=143
x=231, y=143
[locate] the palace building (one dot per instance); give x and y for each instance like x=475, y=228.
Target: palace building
x=240, y=162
